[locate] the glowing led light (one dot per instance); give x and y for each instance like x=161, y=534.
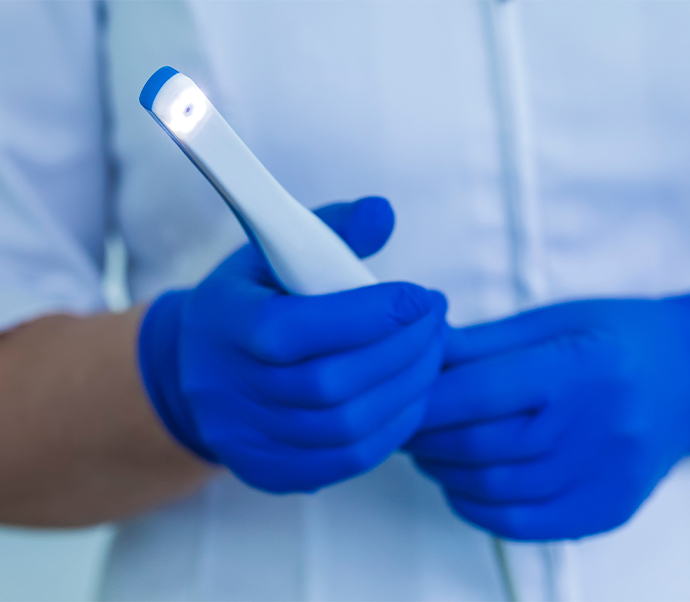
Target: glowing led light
x=187, y=110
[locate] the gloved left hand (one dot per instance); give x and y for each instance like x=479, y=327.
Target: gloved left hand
x=559, y=422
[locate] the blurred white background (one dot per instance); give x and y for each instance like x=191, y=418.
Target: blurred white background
x=39, y=565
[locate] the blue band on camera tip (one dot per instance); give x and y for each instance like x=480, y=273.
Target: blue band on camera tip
x=153, y=85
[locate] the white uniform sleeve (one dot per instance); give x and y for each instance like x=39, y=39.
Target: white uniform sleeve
x=52, y=166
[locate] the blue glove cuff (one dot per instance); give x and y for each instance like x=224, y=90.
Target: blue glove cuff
x=159, y=366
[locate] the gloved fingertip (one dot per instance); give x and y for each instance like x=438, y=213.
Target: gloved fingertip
x=378, y=213
x=370, y=225
x=365, y=225
x=412, y=302
x=439, y=303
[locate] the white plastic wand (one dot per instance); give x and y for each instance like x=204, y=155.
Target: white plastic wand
x=306, y=256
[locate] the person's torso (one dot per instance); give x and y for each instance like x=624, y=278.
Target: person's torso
x=415, y=101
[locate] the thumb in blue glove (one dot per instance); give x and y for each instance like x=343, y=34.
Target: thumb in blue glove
x=558, y=423
x=294, y=393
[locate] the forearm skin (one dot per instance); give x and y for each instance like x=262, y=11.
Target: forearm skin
x=79, y=441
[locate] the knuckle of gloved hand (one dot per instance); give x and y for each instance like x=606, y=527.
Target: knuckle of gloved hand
x=409, y=302
x=318, y=428
x=512, y=522
x=508, y=521
x=491, y=483
x=436, y=356
x=356, y=459
x=326, y=383
x=347, y=425
x=272, y=337
x=635, y=471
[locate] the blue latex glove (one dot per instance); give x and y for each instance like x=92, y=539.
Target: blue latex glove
x=559, y=422
x=294, y=393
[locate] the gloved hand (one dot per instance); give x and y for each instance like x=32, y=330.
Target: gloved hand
x=294, y=393
x=559, y=422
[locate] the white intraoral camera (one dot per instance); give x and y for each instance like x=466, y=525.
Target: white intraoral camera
x=306, y=256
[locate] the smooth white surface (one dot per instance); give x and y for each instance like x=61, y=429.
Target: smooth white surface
x=307, y=257
x=51, y=566
x=53, y=174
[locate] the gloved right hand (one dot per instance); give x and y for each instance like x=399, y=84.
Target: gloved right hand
x=294, y=393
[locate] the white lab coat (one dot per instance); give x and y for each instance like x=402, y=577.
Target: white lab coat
x=532, y=151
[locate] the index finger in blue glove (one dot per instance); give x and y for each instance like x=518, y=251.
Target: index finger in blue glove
x=344, y=423
x=284, y=329
x=496, y=387
x=516, y=438
x=528, y=328
x=332, y=379
x=293, y=329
